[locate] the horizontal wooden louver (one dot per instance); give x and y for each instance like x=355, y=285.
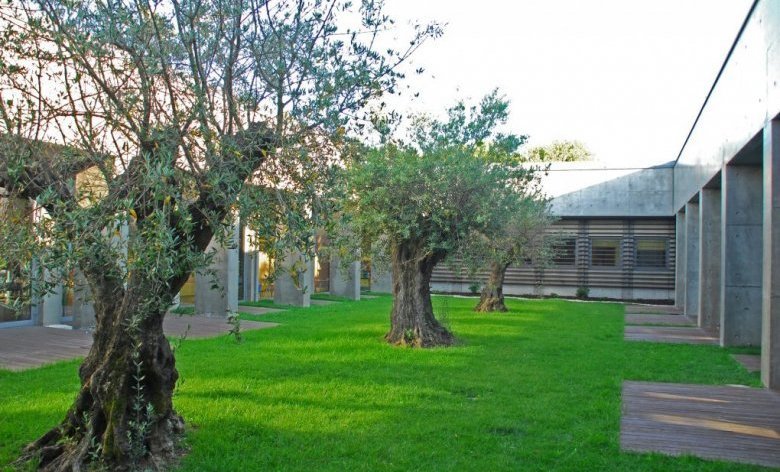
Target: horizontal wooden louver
x=577, y=269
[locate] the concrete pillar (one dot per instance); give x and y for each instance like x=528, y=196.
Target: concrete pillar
x=679, y=284
x=83, y=311
x=381, y=282
x=709, y=259
x=216, y=288
x=345, y=282
x=741, y=253
x=770, y=329
x=294, y=283
x=51, y=306
x=692, y=260
x=250, y=275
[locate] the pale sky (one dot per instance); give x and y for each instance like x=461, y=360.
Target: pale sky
x=626, y=77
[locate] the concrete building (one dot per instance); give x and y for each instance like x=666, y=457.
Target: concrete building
x=716, y=206
x=702, y=231
x=616, y=236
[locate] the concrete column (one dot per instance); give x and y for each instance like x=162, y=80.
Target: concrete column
x=381, y=282
x=216, y=288
x=295, y=281
x=345, y=282
x=692, y=260
x=51, y=307
x=83, y=311
x=679, y=284
x=741, y=253
x=250, y=275
x=770, y=329
x=709, y=259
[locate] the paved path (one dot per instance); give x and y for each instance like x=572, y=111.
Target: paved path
x=33, y=346
x=666, y=320
x=669, y=334
x=315, y=302
x=198, y=327
x=652, y=309
x=258, y=310
x=735, y=424
x=751, y=362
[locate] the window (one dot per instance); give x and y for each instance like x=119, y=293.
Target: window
x=605, y=252
x=651, y=253
x=565, y=252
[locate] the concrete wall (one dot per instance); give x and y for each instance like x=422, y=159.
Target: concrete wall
x=611, y=293
x=345, y=281
x=382, y=282
x=709, y=259
x=589, y=189
x=216, y=289
x=741, y=253
x=745, y=96
x=770, y=321
x=295, y=282
x=691, y=308
x=679, y=284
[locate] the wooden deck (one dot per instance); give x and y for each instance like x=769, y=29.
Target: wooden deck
x=751, y=362
x=734, y=424
x=669, y=334
x=652, y=309
x=33, y=346
x=664, y=320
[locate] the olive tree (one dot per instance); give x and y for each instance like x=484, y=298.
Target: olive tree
x=421, y=200
x=167, y=118
x=521, y=236
x=559, y=151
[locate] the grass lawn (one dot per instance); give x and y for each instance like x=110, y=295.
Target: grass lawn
x=537, y=388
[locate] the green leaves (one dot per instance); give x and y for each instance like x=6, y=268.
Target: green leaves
x=451, y=181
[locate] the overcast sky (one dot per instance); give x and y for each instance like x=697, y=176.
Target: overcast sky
x=626, y=77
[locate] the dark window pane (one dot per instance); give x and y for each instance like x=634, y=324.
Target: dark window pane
x=651, y=253
x=604, y=252
x=564, y=252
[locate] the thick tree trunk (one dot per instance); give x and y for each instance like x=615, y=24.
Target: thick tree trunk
x=412, y=322
x=492, y=297
x=123, y=416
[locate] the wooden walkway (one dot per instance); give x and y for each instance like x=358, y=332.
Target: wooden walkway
x=669, y=334
x=33, y=346
x=664, y=320
x=751, y=362
x=652, y=309
x=735, y=424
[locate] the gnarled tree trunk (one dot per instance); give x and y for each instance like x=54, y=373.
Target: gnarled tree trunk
x=123, y=416
x=492, y=296
x=412, y=322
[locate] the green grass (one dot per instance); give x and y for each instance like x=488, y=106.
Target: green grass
x=537, y=388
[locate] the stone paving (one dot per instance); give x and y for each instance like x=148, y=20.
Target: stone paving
x=33, y=346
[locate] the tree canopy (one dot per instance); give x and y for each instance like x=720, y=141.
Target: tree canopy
x=559, y=151
x=421, y=200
